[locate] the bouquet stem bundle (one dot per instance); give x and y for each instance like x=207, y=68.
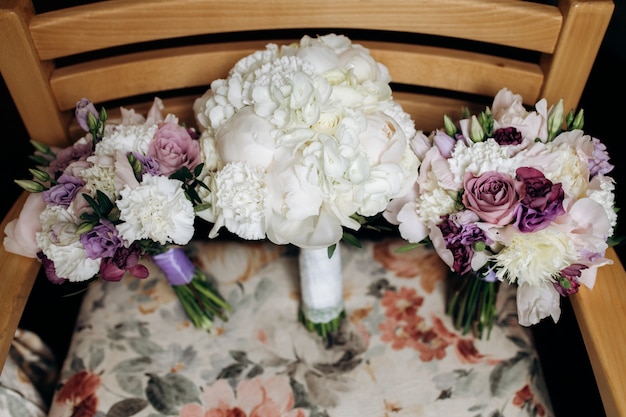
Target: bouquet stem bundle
x=472, y=305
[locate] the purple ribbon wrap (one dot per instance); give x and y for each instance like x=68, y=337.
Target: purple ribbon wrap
x=177, y=268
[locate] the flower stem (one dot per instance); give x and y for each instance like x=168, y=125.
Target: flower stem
x=327, y=330
x=472, y=306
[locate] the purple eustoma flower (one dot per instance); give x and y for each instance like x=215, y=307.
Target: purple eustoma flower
x=78, y=152
x=599, y=165
x=64, y=192
x=148, y=164
x=84, y=107
x=102, y=241
x=459, y=239
x=542, y=202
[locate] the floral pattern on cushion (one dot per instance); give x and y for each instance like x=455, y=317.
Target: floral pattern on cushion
x=134, y=353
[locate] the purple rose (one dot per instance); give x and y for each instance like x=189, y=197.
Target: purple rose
x=102, y=241
x=542, y=202
x=64, y=192
x=84, y=107
x=173, y=148
x=493, y=196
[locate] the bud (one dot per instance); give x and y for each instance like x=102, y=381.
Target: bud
x=85, y=108
x=486, y=121
x=103, y=115
x=555, y=120
x=92, y=122
x=31, y=186
x=449, y=126
x=41, y=147
x=579, y=120
x=477, y=134
x=40, y=175
x=83, y=228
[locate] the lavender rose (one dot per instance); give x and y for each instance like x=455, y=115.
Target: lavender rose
x=493, y=196
x=102, y=241
x=542, y=202
x=174, y=148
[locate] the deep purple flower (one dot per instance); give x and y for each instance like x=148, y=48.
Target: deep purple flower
x=83, y=108
x=77, y=152
x=125, y=259
x=50, y=270
x=508, y=136
x=64, y=192
x=600, y=162
x=102, y=241
x=542, y=203
x=463, y=255
x=569, y=282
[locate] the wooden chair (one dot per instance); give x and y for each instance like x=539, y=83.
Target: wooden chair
x=442, y=55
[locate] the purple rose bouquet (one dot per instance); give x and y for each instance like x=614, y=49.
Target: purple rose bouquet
x=124, y=191
x=515, y=196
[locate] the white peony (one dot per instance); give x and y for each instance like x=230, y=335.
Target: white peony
x=156, y=209
x=240, y=200
x=534, y=303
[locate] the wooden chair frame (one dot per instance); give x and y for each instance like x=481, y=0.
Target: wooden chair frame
x=50, y=60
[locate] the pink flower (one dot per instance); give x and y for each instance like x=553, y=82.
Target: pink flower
x=20, y=233
x=257, y=397
x=493, y=196
x=173, y=148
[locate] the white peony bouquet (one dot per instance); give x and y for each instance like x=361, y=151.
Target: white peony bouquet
x=123, y=191
x=516, y=196
x=301, y=144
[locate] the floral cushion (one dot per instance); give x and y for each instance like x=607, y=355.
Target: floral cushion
x=135, y=353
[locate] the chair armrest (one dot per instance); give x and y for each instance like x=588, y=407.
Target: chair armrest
x=17, y=276
x=600, y=314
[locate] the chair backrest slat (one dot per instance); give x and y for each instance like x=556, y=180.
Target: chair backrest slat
x=101, y=25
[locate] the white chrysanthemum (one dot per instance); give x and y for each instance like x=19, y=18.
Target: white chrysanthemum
x=535, y=258
x=241, y=196
x=434, y=204
x=129, y=138
x=157, y=210
x=481, y=157
x=60, y=243
x=601, y=190
x=571, y=171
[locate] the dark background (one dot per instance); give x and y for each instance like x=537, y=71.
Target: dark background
x=51, y=311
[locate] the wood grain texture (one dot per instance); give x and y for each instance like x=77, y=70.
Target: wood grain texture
x=96, y=26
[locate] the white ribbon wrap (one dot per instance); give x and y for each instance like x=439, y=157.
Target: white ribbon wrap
x=321, y=284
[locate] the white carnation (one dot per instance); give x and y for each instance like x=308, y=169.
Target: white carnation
x=157, y=210
x=481, y=157
x=535, y=258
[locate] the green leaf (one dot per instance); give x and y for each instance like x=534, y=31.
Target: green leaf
x=351, y=239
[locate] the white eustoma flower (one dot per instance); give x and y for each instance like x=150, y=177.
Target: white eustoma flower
x=156, y=209
x=130, y=138
x=60, y=243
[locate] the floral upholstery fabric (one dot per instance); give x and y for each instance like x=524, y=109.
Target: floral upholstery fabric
x=134, y=353
x=28, y=377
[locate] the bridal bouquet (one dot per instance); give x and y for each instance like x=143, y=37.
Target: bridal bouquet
x=123, y=191
x=303, y=143
x=514, y=196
